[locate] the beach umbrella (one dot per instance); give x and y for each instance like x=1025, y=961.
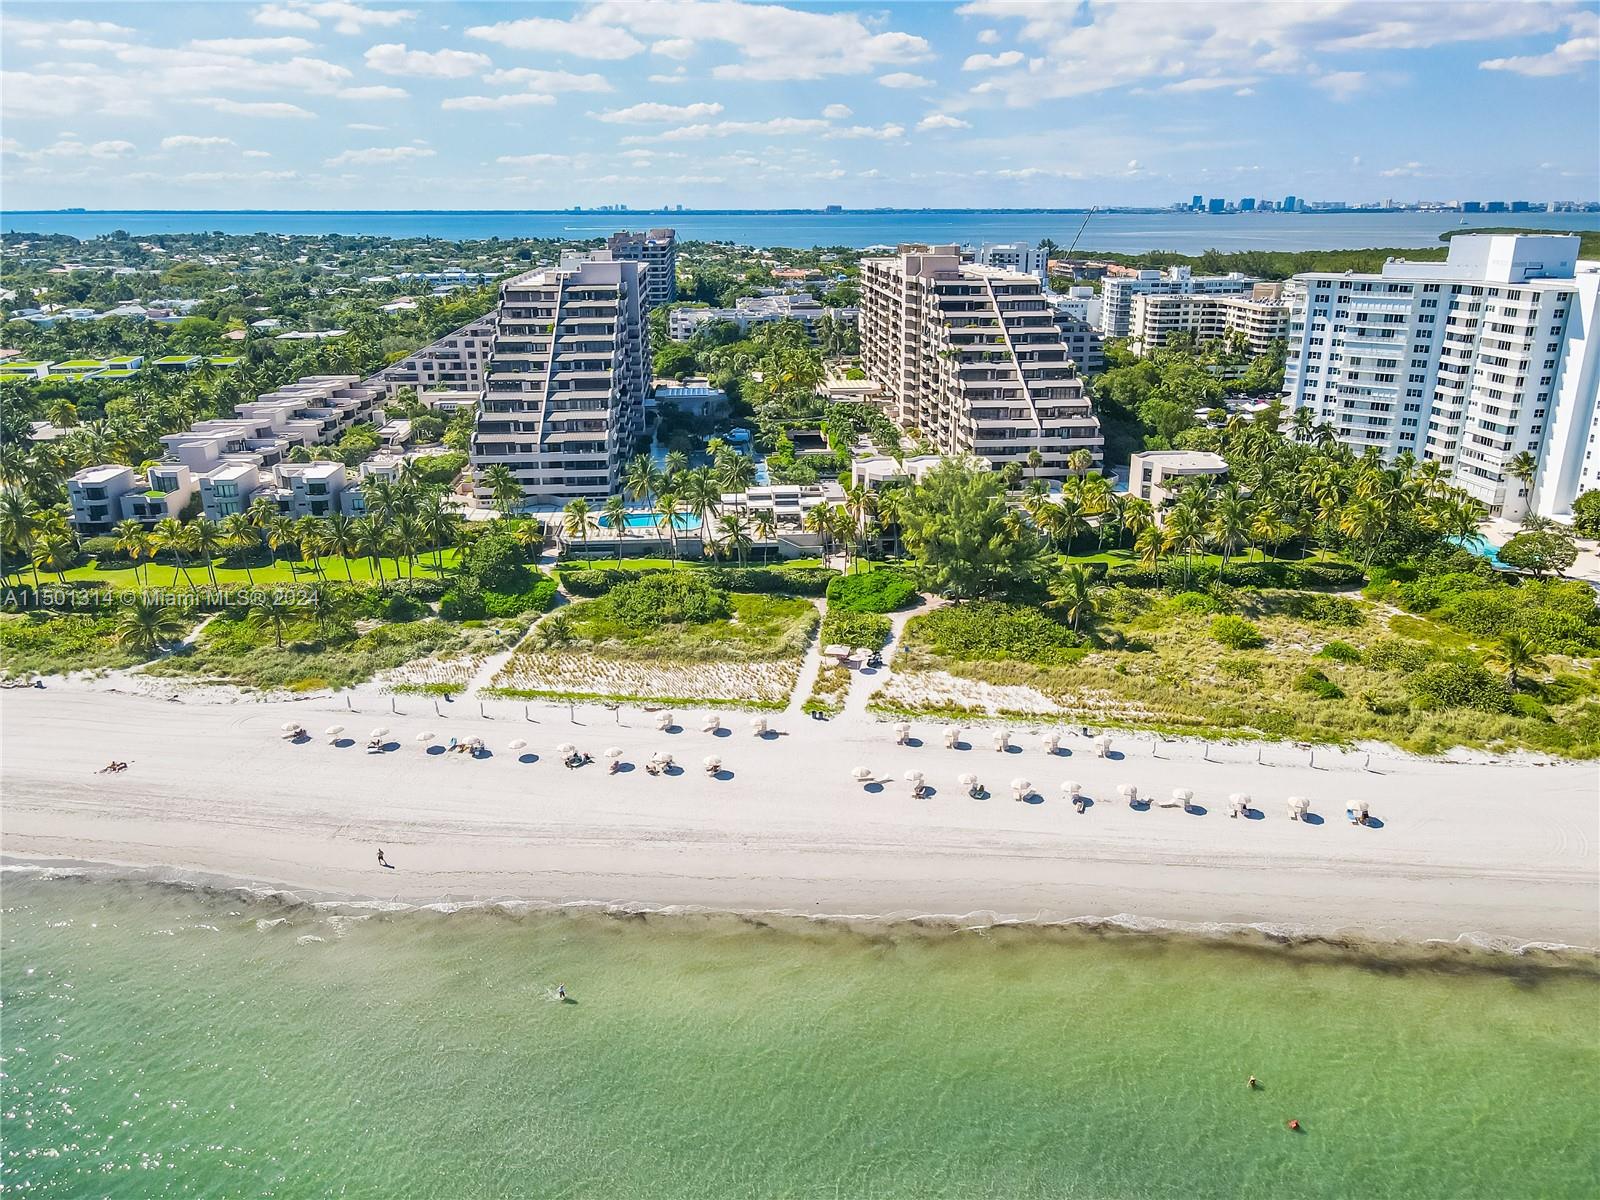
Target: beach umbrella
x=968, y=780
x=710, y=723
x=1020, y=788
x=664, y=720
x=951, y=737
x=1182, y=796
x=333, y=731
x=902, y=731
x=566, y=748
x=1052, y=741
x=914, y=777
x=517, y=744
x=422, y=738
x=1128, y=792
x=1239, y=802
x=712, y=762
x=380, y=731
x=289, y=726
x=1102, y=745
x=861, y=773
x=1071, y=788
x=758, y=725
x=1298, y=807
x=1002, y=739
x=613, y=751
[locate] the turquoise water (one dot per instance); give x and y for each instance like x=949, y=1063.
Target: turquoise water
x=1481, y=546
x=653, y=521
x=1190, y=233
x=161, y=1041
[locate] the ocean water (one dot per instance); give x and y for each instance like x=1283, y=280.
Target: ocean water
x=1128, y=233
x=161, y=1041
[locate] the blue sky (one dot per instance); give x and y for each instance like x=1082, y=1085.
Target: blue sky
x=724, y=103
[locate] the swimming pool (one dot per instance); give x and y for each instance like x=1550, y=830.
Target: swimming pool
x=1482, y=547
x=681, y=521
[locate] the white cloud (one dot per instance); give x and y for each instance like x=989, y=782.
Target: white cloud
x=271, y=109
x=648, y=112
x=22, y=27
x=69, y=147
x=257, y=154
x=883, y=133
x=533, y=160
x=1575, y=54
x=836, y=112
x=673, y=48
x=252, y=46
x=774, y=42
x=1209, y=83
x=988, y=36
x=991, y=62
x=554, y=82
x=579, y=37
x=1087, y=49
x=776, y=127
x=377, y=155
x=495, y=103
x=392, y=58
x=373, y=92
x=677, y=77
x=346, y=17
x=904, y=79
x=941, y=121
x=190, y=141
x=1410, y=170
x=365, y=127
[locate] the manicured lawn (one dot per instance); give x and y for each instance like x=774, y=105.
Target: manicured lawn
x=167, y=576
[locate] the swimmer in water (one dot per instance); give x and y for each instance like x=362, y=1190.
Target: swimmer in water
x=1253, y=1083
x=1294, y=1126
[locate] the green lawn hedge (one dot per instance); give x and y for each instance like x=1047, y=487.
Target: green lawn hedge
x=877, y=591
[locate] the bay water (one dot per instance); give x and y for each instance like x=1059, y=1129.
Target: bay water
x=161, y=1040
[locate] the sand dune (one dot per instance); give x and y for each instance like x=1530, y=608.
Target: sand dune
x=1504, y=850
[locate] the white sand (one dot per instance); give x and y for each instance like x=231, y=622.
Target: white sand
x=1508, y=851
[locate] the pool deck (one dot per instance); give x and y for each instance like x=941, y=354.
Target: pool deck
x=1587, y=568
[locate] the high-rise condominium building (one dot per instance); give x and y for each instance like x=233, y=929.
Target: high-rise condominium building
x=1015, y=256
x=971, y=357
x=1257, y=318
x=1117, y=292
x=658, y=250
x=563, y=405
x=1471, y=362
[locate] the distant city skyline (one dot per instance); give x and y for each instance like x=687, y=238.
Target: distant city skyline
x=725, y=104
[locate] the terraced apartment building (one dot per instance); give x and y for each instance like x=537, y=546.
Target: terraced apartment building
x=564, y=391
x=971, y=357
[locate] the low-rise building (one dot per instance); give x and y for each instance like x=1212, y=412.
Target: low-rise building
x=1159, y=475
x=684, y=322
x=103, y=496
x=1117, y=291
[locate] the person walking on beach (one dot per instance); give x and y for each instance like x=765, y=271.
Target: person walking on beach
x=383, y=862
x=561, y=992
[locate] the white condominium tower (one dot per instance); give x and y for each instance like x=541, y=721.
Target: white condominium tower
x=563, y=405
x=971, y=357
x=1471, y=362
x=1117, y=292
x=657, y=249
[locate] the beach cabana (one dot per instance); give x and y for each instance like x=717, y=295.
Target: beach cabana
x=291, y=730
x=375, y=739
x=710, y=723
x=1051, y=741
x=1002, y=739
x=915, y=779
x=952, y=737
x=1238, y=804
x=1128, y=792
x=902, y=733
x=614, y=755
x=970, y=782
x=758, y=725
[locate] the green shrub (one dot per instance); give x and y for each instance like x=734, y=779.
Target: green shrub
x=463, y=602
x=666, y=598
x=438, y=468
x=495, y=562
x=844, y=627
x=1237, y=633
x=1340, y=652
x=1461, y=683
x=537, y=598
x=1527, y=706
x=1397, y=654
x=597, y=581
x=1324, y=610
x=992, y=630
x=779, y=581
x=1332, y=575
x=1313, y=680
x=1192, y=602
x=878, y=591
x=1240, y=668
x=103, y=548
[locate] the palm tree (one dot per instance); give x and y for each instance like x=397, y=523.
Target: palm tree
x=207, y=541
x=1071, y=592
x=371, y=540
x=1186, y=531
x=1150, y=543
x=1266, y=526
x=282, y=532
x=667, y=518
x=133, y=541
x=144, y=624
x=261, y=512
x=702, y=494
x=731, y=527
x=19, y=523
x=764, y=522
x=1361, y=521
x=240, y=537
x=438, y=524
x=818, y=520
x=614, y=512
x=575, y=523
x=1230, y=524
x=271, y=609
x=1517, y=654
x=1137, y=516
x=503, y=487
x=56, y=550
x=408, y=538
x=643, y=479
x=859, y=504
x=339, y=537
x=170, y=535
x=677, y=464
x=1523, y=466
x=736, y=472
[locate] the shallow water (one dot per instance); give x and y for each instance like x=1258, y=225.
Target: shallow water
x=163, y=1041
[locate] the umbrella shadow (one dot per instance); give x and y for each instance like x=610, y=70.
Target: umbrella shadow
x=343, y=743
x=1374, y=823
x=390, y=747
x=929, y=791
x=671, y=729
x=673, y=771
x=722, y=731
x=529, y=757
x=1195, y=810
x=722, y=774
x=434, y=750
x=623, y=768
x=768, y=735
x=1311, y=818
x=958, y=744
x=1012, y=749
x=1033, y=798
x=1115, y=755
x=873, y=786
x=914, y=742
x=1059, y=751
x=484, y=753
x=1139, y=805
x=1085, y=803
x=1254, y=814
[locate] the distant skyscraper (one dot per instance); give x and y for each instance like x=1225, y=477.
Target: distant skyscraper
x=1215, y=205
x=1197, y=202
x=1289, y=203
x=1248, y=204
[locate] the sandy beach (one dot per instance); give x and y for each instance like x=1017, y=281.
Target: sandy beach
x=1506, y=852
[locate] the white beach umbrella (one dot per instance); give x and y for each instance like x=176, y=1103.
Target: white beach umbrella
x=333, y=731
x=758, y=725
x=967, y=780
x=710, y=723
x=517, y=744
x=1128, y=792
x=566, y=748
x=1051, y=741
x=380, y=731
x=1002, y=739
x=422, y=738
x=289, y=726
x=914, y=777
x=1239, y=802
x=1298, y=807
x=663, y=720
x=1020, y=788
x=902, y=731
x=951, y=737
x=861, y=773
x=1182, y=796
x=1071, y=788
x=712, y=762
x=1102, y=745
x=613, y=752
